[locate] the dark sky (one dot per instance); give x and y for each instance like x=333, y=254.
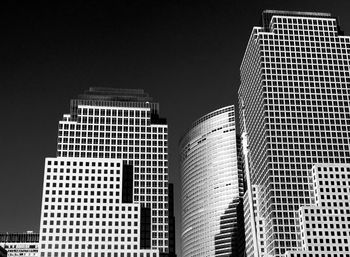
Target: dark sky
x=186, y=54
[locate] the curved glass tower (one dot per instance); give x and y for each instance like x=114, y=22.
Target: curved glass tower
x=211, y=185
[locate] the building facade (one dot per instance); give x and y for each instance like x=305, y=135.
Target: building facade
x=106, y=192
x=259, y=226
x=20, y=244
x=294, y=93
x=211, y=186
x=325, y=225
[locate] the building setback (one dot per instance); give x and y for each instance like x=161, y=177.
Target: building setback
x=325, y=225
x=212, y=186
x=294, y=92
x=106, y=192
x=20, y=244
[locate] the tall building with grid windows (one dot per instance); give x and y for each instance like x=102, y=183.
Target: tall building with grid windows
x=295, y=91
x=212, y=186
x=105, y=194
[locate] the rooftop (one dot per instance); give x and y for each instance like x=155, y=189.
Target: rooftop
x=115, y=94
x=267, y=15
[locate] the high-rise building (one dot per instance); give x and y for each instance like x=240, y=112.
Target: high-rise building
x=294, y=94
x=106, y=192
x=212, y=186
x=20, y=244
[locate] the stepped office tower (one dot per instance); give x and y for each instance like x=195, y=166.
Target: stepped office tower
x=211, y=186
x=295, y=85
x=106, y=192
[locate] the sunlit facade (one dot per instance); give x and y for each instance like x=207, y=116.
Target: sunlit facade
x=259, y=223
x=211, y=186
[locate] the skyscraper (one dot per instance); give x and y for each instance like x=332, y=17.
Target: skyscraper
x=211, y=186
x=106, y=192
x=294, y=94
